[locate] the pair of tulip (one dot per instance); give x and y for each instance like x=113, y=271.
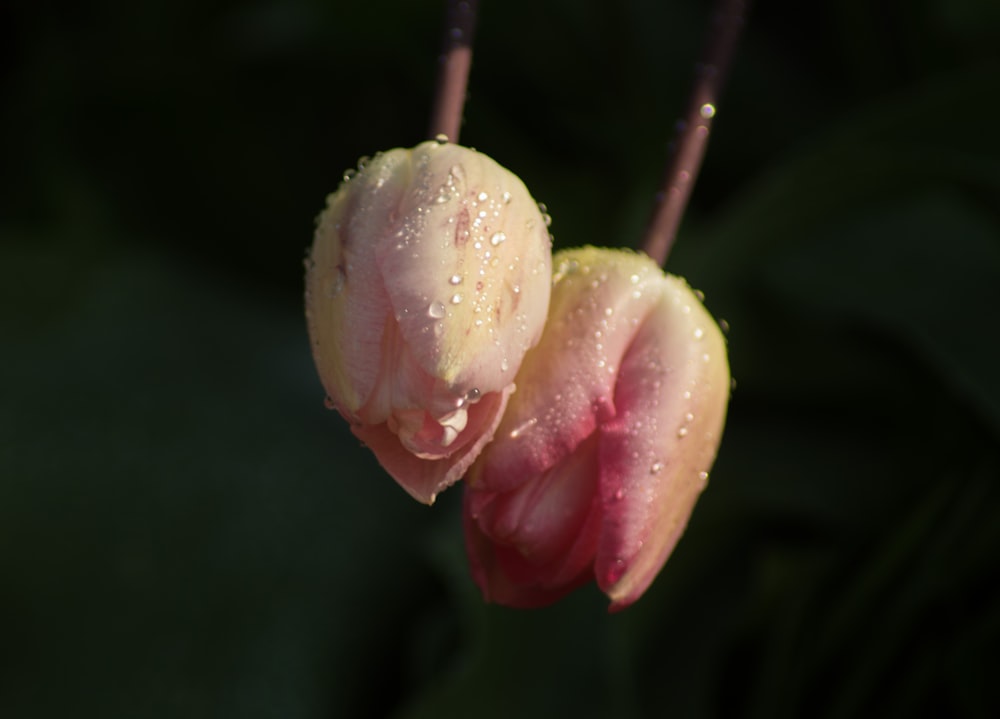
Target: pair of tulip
x=431, y=298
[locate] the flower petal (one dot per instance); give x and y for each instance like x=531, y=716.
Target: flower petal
x=423, y=479
x=567, y=381
x=346, y=302
x=671, y=398
x=466, y=266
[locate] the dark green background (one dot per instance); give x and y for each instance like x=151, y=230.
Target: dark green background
x=186, y=532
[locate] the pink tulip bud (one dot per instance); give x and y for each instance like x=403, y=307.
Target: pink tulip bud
x=428, y=280
x=607, y=443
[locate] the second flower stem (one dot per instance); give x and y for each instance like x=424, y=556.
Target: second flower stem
x=688, y=148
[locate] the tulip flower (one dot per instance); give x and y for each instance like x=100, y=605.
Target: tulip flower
x=607, y=443
x=428, y=280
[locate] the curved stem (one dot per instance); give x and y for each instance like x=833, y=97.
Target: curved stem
x=688, y=147
x=453, y=75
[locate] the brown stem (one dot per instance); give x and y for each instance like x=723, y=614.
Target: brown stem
x=453, y=75
x=688, y=147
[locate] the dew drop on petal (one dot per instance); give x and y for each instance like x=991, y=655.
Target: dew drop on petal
x=456, y=298
x=336, y=285
x=455, y=280
x=523, y=427
x=698, y=333
x=656, y=468
x=497, y=238
x=436, y=310
x=682, y=432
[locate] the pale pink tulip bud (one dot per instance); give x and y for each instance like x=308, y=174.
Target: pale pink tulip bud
x=428, y=280
x=606, y=445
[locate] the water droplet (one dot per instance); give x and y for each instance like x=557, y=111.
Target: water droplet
x=497, y=238
x=682, y=432
x=689, y=417
x=702, y=476
x=504, y=365
x=608, y=311
x=724, y=326
x=506, y=198
x=441, y=139
x=619, y=494
x=634, y=279
x=473, y=395
x=336, y=285
x=547, y=219
x=698, y=333
x=456, y=298
x=706, y=357
x=329, y=403
x=708, y=110
x=363, y=162
x=656, y=468
x=523, y=427
x=482, y=197
x=436, y=310
x=700, y=295
x=349, y=174
x=455, y=280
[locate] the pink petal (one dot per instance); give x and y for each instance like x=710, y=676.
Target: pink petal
x=671, y=398
x=567, y=381
x=423, y=479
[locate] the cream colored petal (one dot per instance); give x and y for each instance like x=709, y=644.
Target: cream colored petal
x=466, y=265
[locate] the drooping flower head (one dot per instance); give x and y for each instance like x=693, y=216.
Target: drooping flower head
x=607, y=443
x=428, y=280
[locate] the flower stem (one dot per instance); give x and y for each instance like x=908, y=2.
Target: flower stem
x=453, y=74
x=688, y=147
